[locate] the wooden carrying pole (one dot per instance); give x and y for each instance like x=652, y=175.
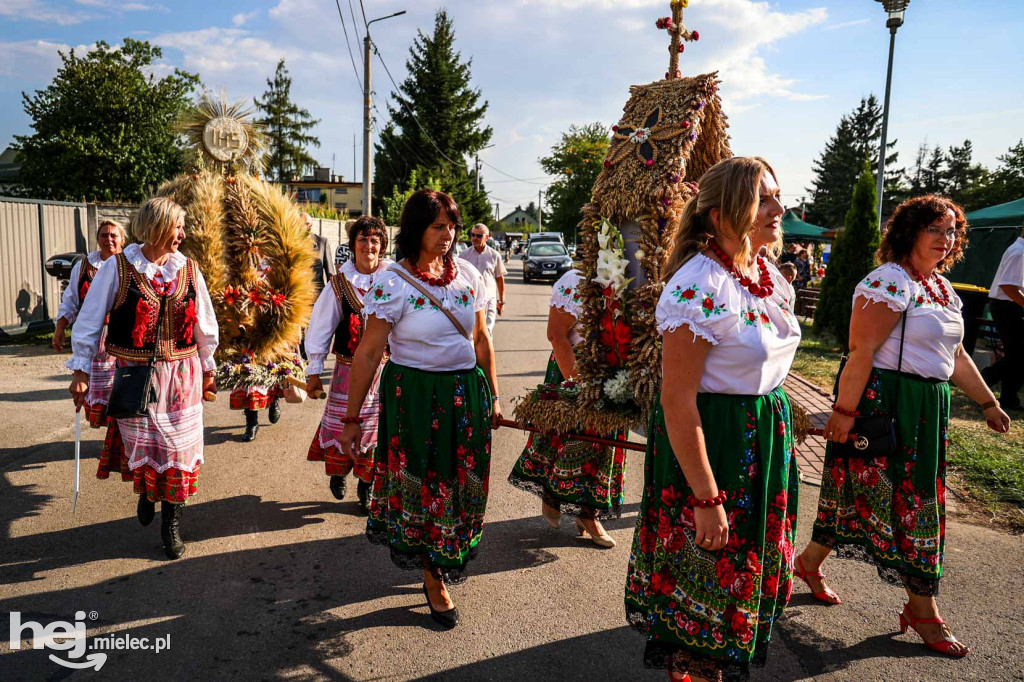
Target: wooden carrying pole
x=624, y=444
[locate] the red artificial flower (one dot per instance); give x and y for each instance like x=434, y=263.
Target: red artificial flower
x=256, y=298
x=354, y=329
x=85, y=288
x=616, y=337
x=190, y=321
x=231, y=295
x=277, y=299
x=143, y=311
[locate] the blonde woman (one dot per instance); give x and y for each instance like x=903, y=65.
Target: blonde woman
x=711, y=565
x=158, y=306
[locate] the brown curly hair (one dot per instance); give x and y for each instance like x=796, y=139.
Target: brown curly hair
x=914, y=215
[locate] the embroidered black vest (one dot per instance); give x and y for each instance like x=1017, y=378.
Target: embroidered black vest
x=350, y=327
x=85, y=275
x=135, y=332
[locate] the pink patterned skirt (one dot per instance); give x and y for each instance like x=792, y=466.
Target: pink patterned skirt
x=101, y=380
x=162, y=452
x=253, y=397
x=326, y=445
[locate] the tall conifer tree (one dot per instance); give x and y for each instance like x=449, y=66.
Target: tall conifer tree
x=286, y=127
x=436, y=122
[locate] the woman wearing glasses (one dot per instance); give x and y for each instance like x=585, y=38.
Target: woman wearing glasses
x=891, y=511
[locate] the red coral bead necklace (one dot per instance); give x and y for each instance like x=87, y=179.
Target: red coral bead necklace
x=762, y=289
x=942, y=300
x=446, y=278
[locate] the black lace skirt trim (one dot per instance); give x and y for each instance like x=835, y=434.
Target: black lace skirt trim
x=449, y=575
x=679, y=659
x=922, y=587
x=569, y=508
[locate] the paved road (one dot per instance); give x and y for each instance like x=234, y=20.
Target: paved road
x=279, y=582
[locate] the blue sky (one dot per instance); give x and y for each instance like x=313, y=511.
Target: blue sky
x=790, y=68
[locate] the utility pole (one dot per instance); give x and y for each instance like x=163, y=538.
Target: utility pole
x=367, y=121
x=354, y=165
x=540, y=211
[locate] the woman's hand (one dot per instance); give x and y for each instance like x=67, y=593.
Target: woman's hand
x=495, y=414
x=59, y=334
x=209, y=386
x=79, y=388
x=712, y=527
x=315, y=387
x=838, y=428
x=351, y=437
x=997, y=420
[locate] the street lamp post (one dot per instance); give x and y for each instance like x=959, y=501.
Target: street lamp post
x=367, y=120
x=895, y=9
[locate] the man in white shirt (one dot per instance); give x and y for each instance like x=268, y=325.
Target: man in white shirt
x=488, y=261
x=1006, y=301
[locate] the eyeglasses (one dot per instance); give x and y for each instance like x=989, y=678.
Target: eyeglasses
x=477, y=235
x=948, y=234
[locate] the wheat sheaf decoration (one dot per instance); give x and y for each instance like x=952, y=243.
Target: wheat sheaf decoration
x=252, y=246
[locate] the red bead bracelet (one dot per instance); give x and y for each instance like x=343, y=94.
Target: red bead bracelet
x=713, y=502
x=352, y=420
x=845, y=413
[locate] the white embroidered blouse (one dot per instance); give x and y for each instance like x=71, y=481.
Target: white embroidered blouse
x=69, y=302
x=566, y=295
x=753, y=340
x=421, y=335
x=933, y=331
x=327, y=314
x=85, y=335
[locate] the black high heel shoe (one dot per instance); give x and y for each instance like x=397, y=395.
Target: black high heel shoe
x=448, y=619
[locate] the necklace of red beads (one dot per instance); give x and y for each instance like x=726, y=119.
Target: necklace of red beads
x=762, y=288
x=942, y=300
x=444, y=280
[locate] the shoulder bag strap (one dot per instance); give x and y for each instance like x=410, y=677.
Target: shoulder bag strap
x=404, y=274
x=899, y=364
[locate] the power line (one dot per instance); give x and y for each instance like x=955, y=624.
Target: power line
x=529, y=182
x=355, y=71
x=543, y=177
x=363, y=10
x=355, y=32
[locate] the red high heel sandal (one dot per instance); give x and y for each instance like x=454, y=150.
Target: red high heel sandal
x=907, y=619
x=827, y=595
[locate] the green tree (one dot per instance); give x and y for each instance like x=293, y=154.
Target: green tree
x=575, y=161
x=965, y=181
x=836, y=171
x=852, y=258
x=286, y=126
x=104, y=128
x=391, y=210
x=1008, y=179
x=436, y=121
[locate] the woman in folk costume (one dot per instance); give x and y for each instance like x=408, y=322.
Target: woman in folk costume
x=338, y=313
x=111, y=237
x=906, y=335
x=583, y=479
x=439, y=402
x=158, y=307
x=710, y=569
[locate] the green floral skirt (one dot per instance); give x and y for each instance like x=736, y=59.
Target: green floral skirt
x=582, y=479
x=891, y=512
x=430, y=476
x=712, y=613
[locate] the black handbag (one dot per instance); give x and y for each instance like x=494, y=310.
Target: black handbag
x=877, y=435
x=133, y=388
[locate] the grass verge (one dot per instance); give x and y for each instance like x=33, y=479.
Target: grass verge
x=985, y=466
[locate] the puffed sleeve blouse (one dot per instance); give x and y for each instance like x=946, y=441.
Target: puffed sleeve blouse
x=933, y=330
x=566, y=296
x=422, y=336
x=753, y=340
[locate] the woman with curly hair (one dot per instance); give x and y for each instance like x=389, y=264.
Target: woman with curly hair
x=710, y=569
x=891, y=511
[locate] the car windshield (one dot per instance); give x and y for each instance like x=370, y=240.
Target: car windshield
x=548, y=250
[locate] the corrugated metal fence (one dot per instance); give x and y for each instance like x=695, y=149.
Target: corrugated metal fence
x=30, y=232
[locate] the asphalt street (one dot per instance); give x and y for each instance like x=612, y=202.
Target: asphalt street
x=279, y=582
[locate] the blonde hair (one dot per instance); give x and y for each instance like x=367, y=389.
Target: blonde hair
x=732, y=186
x=157, y=220
x=118, y=226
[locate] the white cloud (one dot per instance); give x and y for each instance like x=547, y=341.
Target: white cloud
x=846, y=24
x=242, y=18
x=34, y=59
x=33, y=10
